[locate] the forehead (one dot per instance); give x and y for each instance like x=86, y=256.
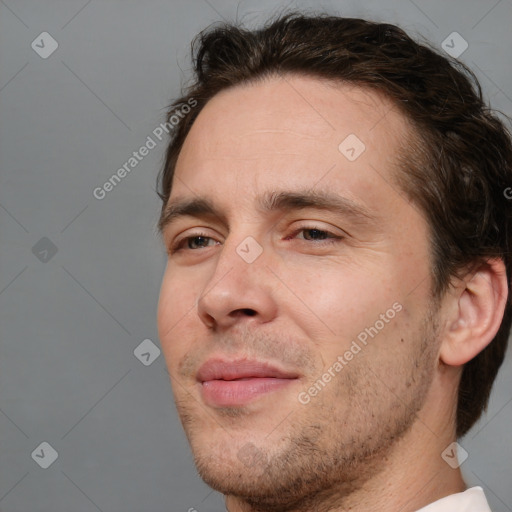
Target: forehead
x=300, y=106
x=291, y=131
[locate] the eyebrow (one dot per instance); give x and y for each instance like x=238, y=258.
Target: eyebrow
x=271, y=202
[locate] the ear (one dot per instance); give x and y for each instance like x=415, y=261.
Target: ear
x=476, y=312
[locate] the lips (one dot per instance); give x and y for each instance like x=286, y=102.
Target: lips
x=218, y=369
x=227, y=383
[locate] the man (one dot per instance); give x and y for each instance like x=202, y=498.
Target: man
x=335, y=306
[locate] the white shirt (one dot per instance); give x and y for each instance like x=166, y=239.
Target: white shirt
x=471, y=500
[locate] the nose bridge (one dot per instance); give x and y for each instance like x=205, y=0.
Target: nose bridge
x=237, y=285
x=238, y=262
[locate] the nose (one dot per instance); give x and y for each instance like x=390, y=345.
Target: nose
x=238, y=291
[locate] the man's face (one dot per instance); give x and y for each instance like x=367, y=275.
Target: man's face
x=293, y=312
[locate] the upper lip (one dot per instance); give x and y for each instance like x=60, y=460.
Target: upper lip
x=223, y=369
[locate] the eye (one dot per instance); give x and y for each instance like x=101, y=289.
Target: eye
x=200, y=240
x=315, y=234
x=194, y=241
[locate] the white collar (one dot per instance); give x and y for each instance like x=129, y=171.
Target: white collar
x=471, y=500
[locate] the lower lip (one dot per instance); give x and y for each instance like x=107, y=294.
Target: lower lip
x=226, y=393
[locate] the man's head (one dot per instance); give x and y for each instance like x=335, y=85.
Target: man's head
x=337, y=230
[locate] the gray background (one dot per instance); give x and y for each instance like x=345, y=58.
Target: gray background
x=70, y=321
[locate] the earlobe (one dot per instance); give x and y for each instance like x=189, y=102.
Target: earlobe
x=480, y=303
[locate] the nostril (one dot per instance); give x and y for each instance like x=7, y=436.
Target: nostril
x=239, y=313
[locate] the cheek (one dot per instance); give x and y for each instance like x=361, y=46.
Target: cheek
x=176, y=306
x=338, y=298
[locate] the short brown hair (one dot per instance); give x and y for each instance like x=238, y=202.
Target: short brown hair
x=455, y=168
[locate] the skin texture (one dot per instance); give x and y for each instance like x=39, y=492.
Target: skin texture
x=371, y=438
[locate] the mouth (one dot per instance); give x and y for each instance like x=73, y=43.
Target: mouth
x=234, y=383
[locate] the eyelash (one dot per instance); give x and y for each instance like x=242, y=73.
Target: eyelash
x=332, y=238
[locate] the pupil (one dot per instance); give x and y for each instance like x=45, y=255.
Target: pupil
x=198, y=241
x=316, y=234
